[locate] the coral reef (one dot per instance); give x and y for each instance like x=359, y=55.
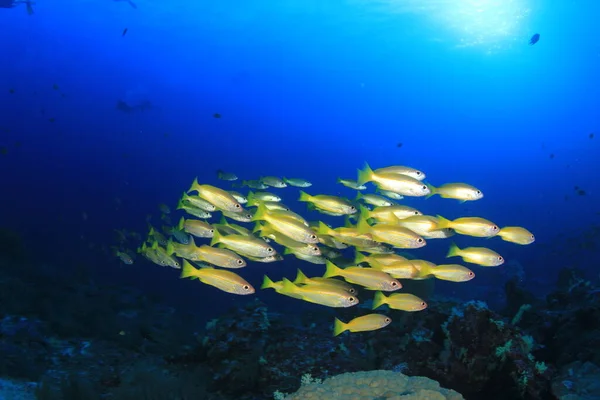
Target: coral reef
x=384, y=385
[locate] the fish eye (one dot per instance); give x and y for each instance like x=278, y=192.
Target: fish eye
x=387, y=320
x=423, y=304
x=424, y=187
x=313, y=236
x=394, y=284
x=269, y=249
x=315, y=248
x=240, y=262
x=212, y=231
x=176, y=264
x=246, y=287
x=163, y=263
x=471, y=273
x=352, y=208
x=533, y=237
x=351, y=299
x=478, y=192
x=500, y=258
x=416, y=213
x=418, y=173
x=352, y=290
x=494, y=228
x=419, y=240
x=238, y=206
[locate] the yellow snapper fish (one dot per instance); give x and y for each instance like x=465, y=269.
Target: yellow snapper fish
x=238, y=196
x=384, y=259
x=470, y=226
x=309, y=249
x=331, y=242
x=399, y=269
x=270, y=205
x=238, y=229
x=224, y=280
x=380, y=248
x=283, y=223
x=390, y=214
x=422, y=225
x=273, y=181
x=349, y=236
x=374, y=200
x=477, y=255
x=320, y=260
x=245, y=245
x=297, y=182
x=402, y=170
x=157, y=236
x=267, y=259
x=397, y=183
x=370, y=322
x=220, y=257
x=352, y=184
x=124, y=257
x=516, y=234
x=244, y=216
x=192, y=210
x=452, y=273
x=458, y=191
x=389, y=194
x=197, y=202
x=319, y=294
x=259, y=197
x=254, y=184
x=217, y=197
x=367, y=277
x=332, y=204
x=278, y=287
x=164, y=208
x=164, y=259
x=302, y=279
x=396, y=236
x=226, y=176
x=399, y=301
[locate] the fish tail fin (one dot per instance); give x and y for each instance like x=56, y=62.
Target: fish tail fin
x=216, y=239
x=364, y=175
x=331, y=270
x=195, y=185
x=170, y=247
x=362, y=226
x=267, y=283
x=260, y=213
x=453, y=251
x=379, y=299
x=338, y=327
x=258, y=228
x=300, y=278
x=432, y=190
x=288, y=286
x=359, y=257
x=443, y=223
x=287, y=251
x=364, y=211
x=188, y=270
x=324, y=229
x=304, y=196
x=181, y=225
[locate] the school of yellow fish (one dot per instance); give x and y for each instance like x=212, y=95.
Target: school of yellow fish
x=382, y=226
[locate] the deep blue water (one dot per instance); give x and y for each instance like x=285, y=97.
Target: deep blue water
x=305, y=89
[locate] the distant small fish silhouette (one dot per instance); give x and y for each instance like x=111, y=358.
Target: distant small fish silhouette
x=124, y=32
x=217, y=115
x=534, y=39
x=399, y=145
x=591, y=135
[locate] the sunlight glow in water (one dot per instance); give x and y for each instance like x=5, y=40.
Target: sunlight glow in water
x=490, y=24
